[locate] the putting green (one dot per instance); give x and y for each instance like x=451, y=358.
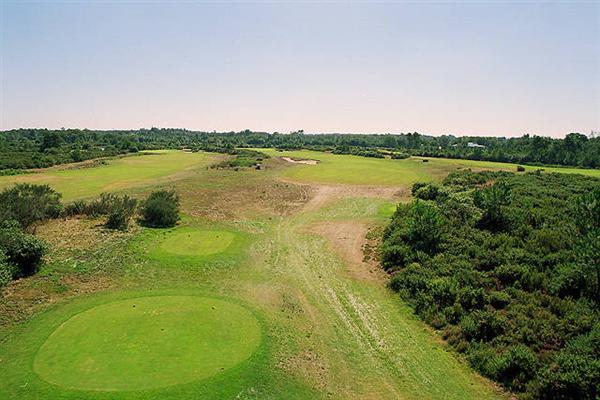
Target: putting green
x=147, y=343
x=197, y=243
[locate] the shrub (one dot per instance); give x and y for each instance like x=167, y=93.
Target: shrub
x=428, y=192
x=493, y=201
x=575, y=371
x=161, y=209
x=27, y=204
x=515, y=367
x=499, y=300
x=23, y=250
x=416, y=186
x=120, y=215
x=482, y=325
x=7, y=270
x=520, y=168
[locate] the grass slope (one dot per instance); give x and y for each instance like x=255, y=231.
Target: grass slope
x=117, y=174
x=356, y=170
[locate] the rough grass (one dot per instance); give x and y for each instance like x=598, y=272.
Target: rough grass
x=356, y=170
x=116, y=174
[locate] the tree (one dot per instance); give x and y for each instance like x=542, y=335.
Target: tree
x=425, y=227
x=492, y=200
x=51, y=139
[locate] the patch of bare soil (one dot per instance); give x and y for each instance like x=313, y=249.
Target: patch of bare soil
x=300, y=160
x=348, y=240
x=325, y=194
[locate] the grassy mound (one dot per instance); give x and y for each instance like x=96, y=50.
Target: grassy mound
x=197, y=243
x=147, y=343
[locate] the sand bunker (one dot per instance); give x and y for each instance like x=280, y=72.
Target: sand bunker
x=300, y=161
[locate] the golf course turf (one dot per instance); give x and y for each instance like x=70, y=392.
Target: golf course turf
x=147, y=343
x=148, y=168
x=297, y=313
x=197, y=243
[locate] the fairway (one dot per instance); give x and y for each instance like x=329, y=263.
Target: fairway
x=356, y=170
x=116, y=174
x=147, y=343
x=197, y=243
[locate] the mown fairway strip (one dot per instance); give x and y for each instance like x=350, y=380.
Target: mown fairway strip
x=147, y=343
x=117, y=174
x=356, y=170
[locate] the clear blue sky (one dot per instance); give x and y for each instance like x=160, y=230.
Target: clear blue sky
x=460, y=68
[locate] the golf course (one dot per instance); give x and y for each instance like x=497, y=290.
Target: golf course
x=268, y=287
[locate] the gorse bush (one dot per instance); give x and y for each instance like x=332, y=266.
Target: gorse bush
x=22, y=251
x=507, y=266
x=104, y=205
x=121, y=213
x=7, y=269
x=118, y=209
x=27, y=204
x=160, y=209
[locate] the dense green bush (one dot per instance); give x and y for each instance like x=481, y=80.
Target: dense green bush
x=400, y=156
x=160, y=209
x=27, y=204
x=121, y=213
x=21, y=249
x=507, y=265
x=7, y=269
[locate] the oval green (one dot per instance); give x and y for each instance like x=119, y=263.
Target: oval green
x=147, y=343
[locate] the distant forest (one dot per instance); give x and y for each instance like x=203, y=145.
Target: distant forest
x=37, y=148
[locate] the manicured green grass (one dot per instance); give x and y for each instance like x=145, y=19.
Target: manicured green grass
x=197, y=243
x=147, y=343
x=209, y=246
x=356, y=170
x=117, y=174
x=133, y=359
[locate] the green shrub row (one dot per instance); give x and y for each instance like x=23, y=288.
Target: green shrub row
x=508, y=267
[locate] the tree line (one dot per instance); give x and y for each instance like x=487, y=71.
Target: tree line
x=37, y=148
x=507, y=266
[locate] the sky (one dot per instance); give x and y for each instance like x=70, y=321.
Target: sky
x=466, y=68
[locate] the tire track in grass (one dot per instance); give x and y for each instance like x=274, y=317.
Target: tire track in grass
x=387, y=356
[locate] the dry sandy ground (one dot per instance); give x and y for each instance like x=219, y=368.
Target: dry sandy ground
x=300, y=161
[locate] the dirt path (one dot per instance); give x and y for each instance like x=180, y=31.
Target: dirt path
x=361, y=341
